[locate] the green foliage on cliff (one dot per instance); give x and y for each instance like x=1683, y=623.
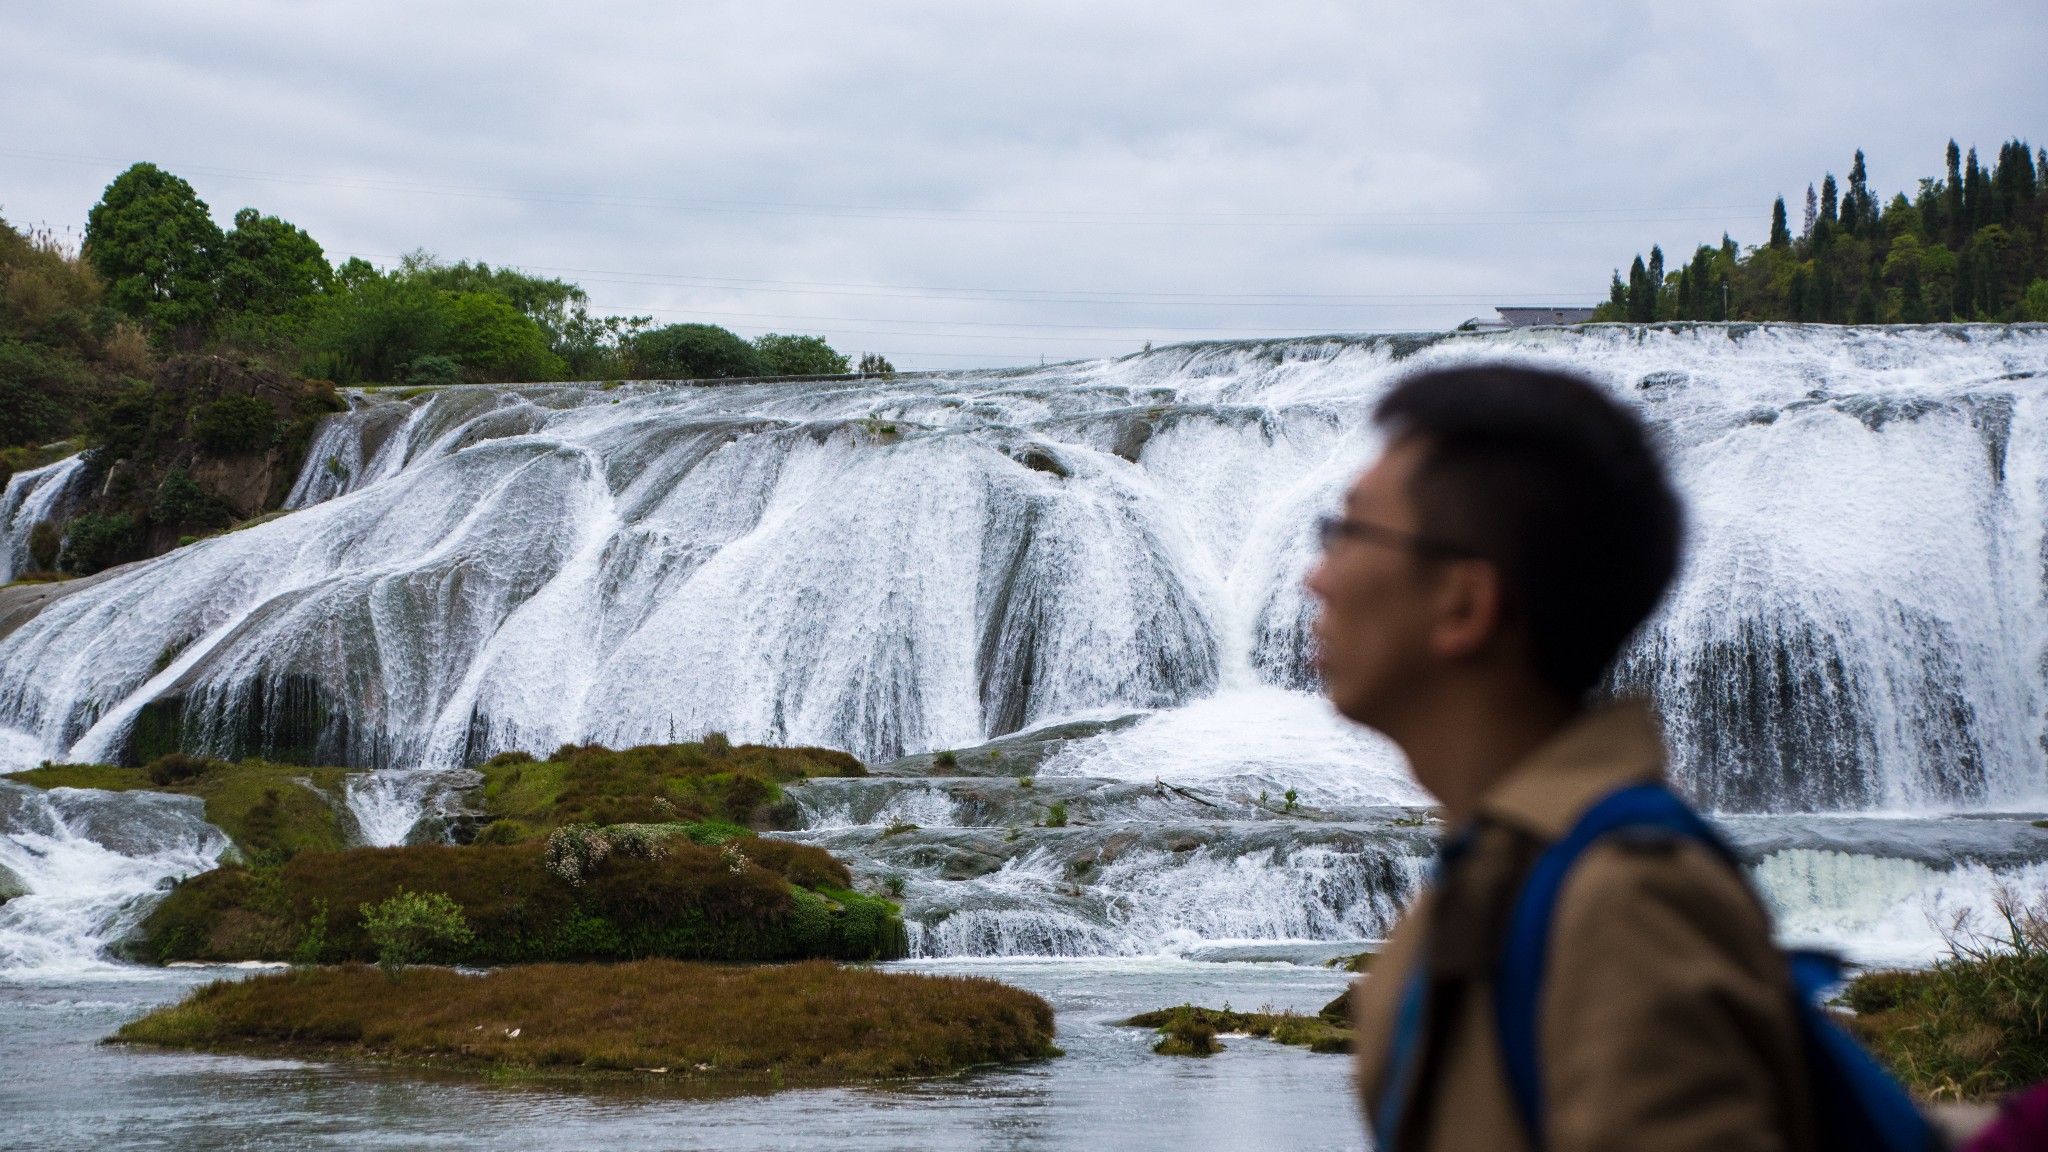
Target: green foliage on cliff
x=156, y=275
x=63, y=351
x=1969, y=246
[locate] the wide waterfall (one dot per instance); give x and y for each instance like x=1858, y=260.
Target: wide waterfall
x=900, y=565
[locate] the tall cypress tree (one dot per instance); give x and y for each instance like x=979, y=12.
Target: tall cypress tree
x=1617, y=294
x=1781, y=235
x=1857, y=216
x=1656, y=281
x=1974, y=215
x=1642, y=303
x=1812, y=214
x=1952, y=196
x=1828, y=214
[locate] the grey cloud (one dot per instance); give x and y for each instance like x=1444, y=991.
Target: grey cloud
x=1145, y=109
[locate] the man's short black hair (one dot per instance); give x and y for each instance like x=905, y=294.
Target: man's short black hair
x=1556, y=484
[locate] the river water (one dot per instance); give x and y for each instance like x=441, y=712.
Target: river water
x=62, y=1089
x=1084, y=581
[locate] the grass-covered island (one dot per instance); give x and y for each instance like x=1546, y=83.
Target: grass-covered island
x=804, y=1023
x=591, y=854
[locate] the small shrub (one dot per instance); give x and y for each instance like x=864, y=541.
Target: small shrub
x=43, y=542
x=182, y=503
x=98, y=540
x=1056, y=815
x=1186, y=1033
x=410, y=927
x=176, y=768
x=234, y=425
x=717, y=745
x=314, y=942
x=898, y=829
x=1026, y=782
x=1292, y=797
x=946, y=759
x=430, y=370
x=875, y=364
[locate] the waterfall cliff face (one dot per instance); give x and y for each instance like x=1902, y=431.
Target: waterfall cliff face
x=900, y=565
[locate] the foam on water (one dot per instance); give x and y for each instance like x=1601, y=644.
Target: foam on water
x=929, y=562
x=1886, y=911
x=30, y=498
x=92, y=863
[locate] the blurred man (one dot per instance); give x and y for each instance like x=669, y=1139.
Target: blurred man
x=1480, y=582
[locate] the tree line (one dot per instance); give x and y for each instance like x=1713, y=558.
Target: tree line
x=1967, y=246
x=157, y=277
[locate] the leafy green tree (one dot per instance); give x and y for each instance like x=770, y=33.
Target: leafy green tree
x=696, y=351
x=2037, y=300
x=800, y=355
x=270, y=267
x=547, y=302
x=1781, y=233
x=494, y=339
x=1642, y=299
x=414, y=926
x=373, y=325
x=97, y=540
x=876, y=364
x=155, y=243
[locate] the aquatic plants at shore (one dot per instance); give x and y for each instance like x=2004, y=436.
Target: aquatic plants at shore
x=804, y=1023
x=1192, y=1031
x=1975, y=1025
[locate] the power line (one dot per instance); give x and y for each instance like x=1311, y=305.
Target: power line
x=933, y=213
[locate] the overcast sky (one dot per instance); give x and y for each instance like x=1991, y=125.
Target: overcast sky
x=958, y=184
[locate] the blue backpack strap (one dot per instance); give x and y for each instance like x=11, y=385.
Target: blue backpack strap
x=1528, y=936
x=1857, y=1105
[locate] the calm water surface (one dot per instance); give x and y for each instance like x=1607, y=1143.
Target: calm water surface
x=59, y=1088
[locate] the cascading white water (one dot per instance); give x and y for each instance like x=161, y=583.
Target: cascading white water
x=91, y=863
x=389, y=803
x=893, y=566
x=31, y=498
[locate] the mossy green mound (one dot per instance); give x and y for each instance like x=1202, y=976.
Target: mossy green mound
x=749, y=898
x=1191, y=1031
x=271, y=811
x=650, y=784
x=686, y=1023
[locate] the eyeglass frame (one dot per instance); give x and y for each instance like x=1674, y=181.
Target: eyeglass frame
x=1330, y=529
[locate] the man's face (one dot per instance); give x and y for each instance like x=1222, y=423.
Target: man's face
x=1373, y=634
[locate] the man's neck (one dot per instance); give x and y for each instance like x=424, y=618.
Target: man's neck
x=1468, y=735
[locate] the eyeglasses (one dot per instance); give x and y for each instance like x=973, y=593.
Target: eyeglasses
x=1330, y=529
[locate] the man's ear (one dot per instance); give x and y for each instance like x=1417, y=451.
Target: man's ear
x=1469, y=607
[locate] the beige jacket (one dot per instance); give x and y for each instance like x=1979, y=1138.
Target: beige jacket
x=1665, y=1020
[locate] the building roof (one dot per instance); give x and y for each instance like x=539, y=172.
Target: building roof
x=1524, y=316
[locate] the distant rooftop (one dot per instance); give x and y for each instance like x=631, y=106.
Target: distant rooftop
x=1530, y=315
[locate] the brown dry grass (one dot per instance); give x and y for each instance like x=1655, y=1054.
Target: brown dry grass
x=811, y=1022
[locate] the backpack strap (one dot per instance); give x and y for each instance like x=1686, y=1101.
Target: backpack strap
x=1857, y=1104
x=1520, y=978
